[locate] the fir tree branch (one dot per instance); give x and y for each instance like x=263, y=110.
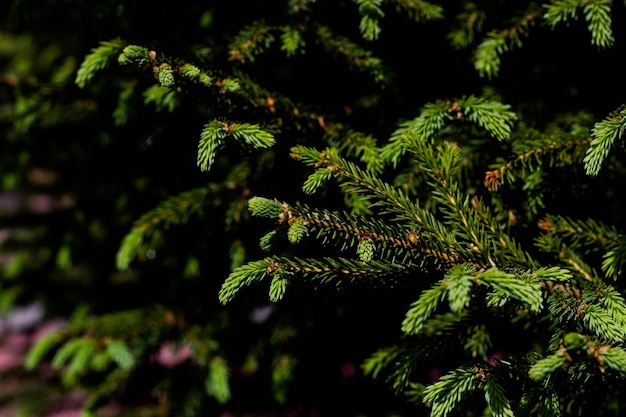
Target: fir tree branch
x=597, y=14
x=215, y=133
x=605, y=134
x=488, y=52
x=587, y=235
x=433, y=234
x=99, y=58
x=471, y=21
x=423, y=308
x=499, y=405
x=244, y=276
x=371, y=13
x=175, y=210
x=531, y=153
x=496, y=118
x=355, y=144
x=344, y=231
x=444, y=395
x=420, y=10
x=485, y=241
x=292, y=40
x=360, y=58
x=217, y=380
x=251, y=41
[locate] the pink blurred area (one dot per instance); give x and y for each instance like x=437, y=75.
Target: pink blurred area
x=170, y=355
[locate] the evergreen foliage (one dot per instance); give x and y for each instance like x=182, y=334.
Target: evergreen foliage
x=273, y=191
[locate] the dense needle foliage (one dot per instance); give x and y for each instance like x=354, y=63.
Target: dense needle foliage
x=308, y=207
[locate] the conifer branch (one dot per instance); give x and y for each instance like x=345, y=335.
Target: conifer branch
x=359, y=58
x=423, y=308
x=597, y=14
x=175, y=210
x=355, y=144
x=444, y=395
x=164, y=98
x=488, y=52
x=605, y=134
x=496, y=118
x=614, y=259
x=470, y=22
x=420, y=10
x=89, y=343
x=292, y=40
x=533, y=153
x=322, y=271
x=251, y=41
x=244, y=276
x=603, y=324
x=391, y=200
x=99, y=59
x=588, y=234
x=344, y=231
x=217, y=381
x=215, y=133
x=371, y=13
x=495, y=396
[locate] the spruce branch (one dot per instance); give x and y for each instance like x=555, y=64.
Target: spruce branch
x=292, y=40
x=527, y=291
x=99, y=58
x=217, y=383
x=164, y=98
x=614, y=358
x=94, y=343
x=371, y=13
x=444, y=395
x=588, y=235
x=614, y=259
x=546, y=366
x=470, y=22
x=566, y=255
x=460, y=282
x=321, y=271
x=251, y=41
x=338, y=270
x=175, y=210
x=358, y=57
x=424, y=307
x=496, y=43
x=476, y=228
x=215, y=133
x=598, y=17
x=605, y=134
x=381, y=360
x=120, y=353
x=373, y=238
x=497, y=401
x=243, y=276
x=597, y=14
x=355, y=144
x=493, y=116
x=599, y=321
x=420, y=10
x=532, y=153
x=487, y=59
x=136, y=55
x=391, y=200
